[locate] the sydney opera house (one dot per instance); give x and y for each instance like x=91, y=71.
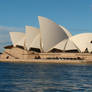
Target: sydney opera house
x=50, y=40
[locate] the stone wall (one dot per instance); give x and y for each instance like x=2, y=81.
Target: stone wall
x=18, y=53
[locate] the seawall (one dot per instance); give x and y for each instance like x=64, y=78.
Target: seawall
x=20, y=55
x=47, y=61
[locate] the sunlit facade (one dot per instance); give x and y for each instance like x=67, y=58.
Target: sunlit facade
x=51, y=36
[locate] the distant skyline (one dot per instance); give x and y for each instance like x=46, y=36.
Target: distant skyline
x=75, y=15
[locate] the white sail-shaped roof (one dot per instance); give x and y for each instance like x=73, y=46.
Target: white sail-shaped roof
x=66, y=31
x=30, y=35
x=83, y=41
x=15, y=37
x=21, y=42
x=70, y=46
x=51, y=33
x=65, y=45
x=61, y=45
x=36, y=42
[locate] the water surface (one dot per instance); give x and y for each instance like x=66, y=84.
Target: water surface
x=32, y=77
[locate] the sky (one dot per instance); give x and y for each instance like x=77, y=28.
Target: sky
x=75, y=15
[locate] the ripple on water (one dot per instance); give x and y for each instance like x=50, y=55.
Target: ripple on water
x=30, y=77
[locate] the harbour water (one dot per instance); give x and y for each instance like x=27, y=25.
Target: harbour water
x=36, y=77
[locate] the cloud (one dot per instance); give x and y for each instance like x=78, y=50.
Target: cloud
x=4, y=34
x=11, y=29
